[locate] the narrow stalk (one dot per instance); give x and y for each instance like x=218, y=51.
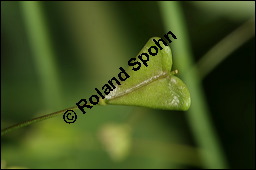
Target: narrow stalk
x=198, y=115
x=42, y=49
x=225, y=47
x=37, y=119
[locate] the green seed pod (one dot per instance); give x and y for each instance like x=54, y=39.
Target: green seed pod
x=150, y=82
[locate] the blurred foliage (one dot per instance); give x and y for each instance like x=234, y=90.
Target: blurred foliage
x=85, y=44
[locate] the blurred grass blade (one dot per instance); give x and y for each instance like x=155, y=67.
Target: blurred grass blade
x=42, y=52
x=225, y=47
x=198, y=115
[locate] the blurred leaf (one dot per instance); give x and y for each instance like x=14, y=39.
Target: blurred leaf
x=150, y=83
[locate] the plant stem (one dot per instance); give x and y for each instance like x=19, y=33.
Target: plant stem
x=198, y=114
x=37, y=119
x=225, y=47
x=42, y=49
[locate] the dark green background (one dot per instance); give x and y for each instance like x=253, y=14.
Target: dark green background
x=89, y=41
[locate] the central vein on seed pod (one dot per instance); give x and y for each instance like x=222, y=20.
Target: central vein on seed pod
x=113, y=94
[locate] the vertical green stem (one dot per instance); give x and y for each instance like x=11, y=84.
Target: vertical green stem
x=42, y=51
x=198, y=114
